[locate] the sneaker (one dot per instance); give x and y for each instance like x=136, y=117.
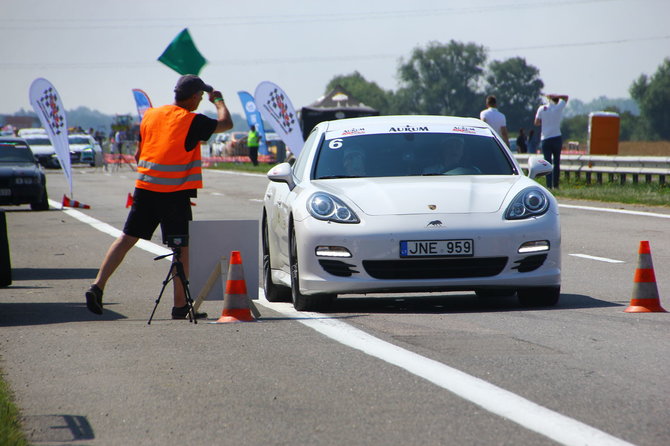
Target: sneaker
x=94, y=299
x=182, y=313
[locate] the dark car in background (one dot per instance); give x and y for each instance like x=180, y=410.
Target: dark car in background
x=22, y=181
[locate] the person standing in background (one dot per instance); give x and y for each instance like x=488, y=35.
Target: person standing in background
x=493, y=117
x=549, y=117
x=253, y=143
x=521, y=146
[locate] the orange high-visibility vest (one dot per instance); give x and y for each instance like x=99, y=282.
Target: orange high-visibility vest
x=164, y=164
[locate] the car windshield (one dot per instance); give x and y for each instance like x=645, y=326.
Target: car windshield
x=79, y=140
x=410, y=154
x=39, y=141
x=12, y=155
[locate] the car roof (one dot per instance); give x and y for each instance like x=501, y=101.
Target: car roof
x=402, y=121
x=14, y=142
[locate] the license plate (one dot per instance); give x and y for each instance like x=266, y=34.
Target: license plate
x=5, y=192
x=429, y=248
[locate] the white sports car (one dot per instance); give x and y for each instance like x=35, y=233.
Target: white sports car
x=395, y=204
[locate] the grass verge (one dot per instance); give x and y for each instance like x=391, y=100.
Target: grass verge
x=10, y=427
x=652, y=194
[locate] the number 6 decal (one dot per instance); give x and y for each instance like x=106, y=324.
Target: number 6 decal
x=335, y=143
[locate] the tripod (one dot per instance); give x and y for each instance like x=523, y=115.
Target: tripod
x=178, y=269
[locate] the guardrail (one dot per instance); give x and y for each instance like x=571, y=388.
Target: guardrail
x=617, y=168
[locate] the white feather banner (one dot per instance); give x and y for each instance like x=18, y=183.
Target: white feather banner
x=47, y=104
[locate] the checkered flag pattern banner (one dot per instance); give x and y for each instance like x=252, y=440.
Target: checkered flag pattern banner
x=276, y=108
x=49, y=108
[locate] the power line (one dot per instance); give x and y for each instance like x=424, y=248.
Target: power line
x=295, y=60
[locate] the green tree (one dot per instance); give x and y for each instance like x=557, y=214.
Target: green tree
x=575, y=128
x=653, y=96
x=368, y=92
x=518, y=88
x=441, y=80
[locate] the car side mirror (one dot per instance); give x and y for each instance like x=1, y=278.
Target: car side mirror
x=538, y=167
x=282, y=173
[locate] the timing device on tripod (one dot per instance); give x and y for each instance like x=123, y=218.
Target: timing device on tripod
x=175, y=242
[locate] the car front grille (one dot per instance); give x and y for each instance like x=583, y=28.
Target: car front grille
x=435, y=268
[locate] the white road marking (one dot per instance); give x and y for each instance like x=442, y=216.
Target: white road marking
x=525, y=413
x=616, y=211
x=600, y=259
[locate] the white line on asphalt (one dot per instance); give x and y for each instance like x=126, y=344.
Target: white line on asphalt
x=109, y=229
x=600, y=259
x=506, y=404
x=616, y=211
x=528, y=414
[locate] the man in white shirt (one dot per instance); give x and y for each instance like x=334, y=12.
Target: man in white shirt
x=549, y=116
x=495, y=118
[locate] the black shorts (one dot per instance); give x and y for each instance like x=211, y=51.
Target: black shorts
x=172, y=210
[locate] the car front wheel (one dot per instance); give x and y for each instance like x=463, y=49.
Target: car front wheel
x=539, y=296
x=273, y=293
x=302, y=302
x=42, y=204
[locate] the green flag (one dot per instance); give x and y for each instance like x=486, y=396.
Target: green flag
x=182, y=55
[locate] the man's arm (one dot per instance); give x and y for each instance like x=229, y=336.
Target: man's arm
x=224, y=121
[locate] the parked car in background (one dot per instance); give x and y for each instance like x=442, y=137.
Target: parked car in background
x=84, y=149
x=41, y=146
x=22, y=181
x=236, y=145
x=219, y=143
x=398, y=204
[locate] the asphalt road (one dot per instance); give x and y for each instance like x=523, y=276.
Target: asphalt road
x=443, y=369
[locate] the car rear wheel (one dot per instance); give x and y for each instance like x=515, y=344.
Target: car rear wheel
x=539, y=296
x=273, y=293
x=302, y=302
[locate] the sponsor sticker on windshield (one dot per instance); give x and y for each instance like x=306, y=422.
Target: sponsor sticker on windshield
x=381, y=129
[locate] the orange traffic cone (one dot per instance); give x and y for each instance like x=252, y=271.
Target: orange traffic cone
x=645, y=293
x=236, y=305
x=74, y=203
x=129, y=201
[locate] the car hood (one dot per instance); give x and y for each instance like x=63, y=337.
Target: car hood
x=42, y=149
x=80, y=147
x=26, y=169
x=449, y=195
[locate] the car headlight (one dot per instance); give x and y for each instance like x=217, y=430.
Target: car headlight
x=326, y=207
x=528, y=203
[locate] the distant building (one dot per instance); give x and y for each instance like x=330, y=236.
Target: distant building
x=20, y=122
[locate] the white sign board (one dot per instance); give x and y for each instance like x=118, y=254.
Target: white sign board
x=209, y=241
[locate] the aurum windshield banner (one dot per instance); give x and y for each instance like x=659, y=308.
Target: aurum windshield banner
x=142, y=101
x=254, y=118
x=277, y=110
x=49, y=108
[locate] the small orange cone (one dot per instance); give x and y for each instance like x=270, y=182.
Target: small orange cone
x=129, y=200
x=74, y=203
x=645, y=292
x=236, y=306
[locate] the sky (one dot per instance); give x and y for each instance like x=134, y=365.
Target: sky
x=96, y=51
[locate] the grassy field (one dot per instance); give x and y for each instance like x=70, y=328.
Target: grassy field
x=653, y=194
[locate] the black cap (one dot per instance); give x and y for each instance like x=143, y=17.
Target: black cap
x=190, y=84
